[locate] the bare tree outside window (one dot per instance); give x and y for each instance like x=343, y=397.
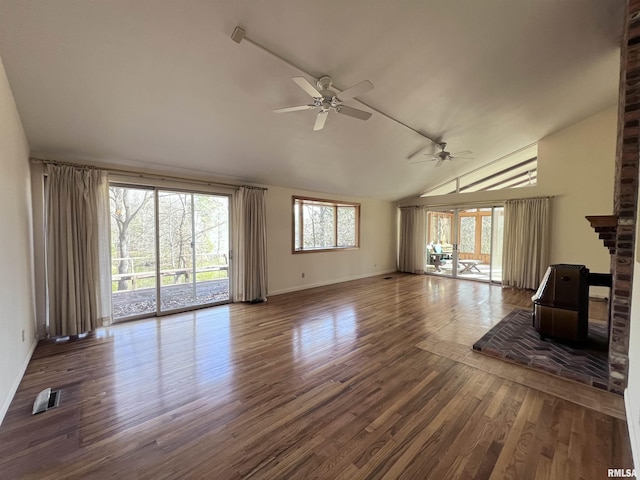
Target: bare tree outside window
x=131, y=213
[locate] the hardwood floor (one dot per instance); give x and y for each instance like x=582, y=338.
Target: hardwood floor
x=367, y=379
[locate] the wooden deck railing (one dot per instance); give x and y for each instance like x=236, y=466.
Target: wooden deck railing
x=170, y=272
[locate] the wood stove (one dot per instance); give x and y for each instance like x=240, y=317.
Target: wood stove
x=561, y=304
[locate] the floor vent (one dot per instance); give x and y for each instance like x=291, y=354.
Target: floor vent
x=388, y=278
x=46, y=400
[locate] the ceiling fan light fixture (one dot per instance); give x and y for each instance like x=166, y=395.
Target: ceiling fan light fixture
x=326, y=99
x=443, y=154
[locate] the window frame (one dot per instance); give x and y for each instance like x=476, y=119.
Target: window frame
x=301, y=200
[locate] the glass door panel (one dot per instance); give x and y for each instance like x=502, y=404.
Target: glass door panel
x=193, y=249
x=441, y=248
x=467, y=243
x=497, y=233
x=175, y=250
x=133, y=252
x=475, y=244
x=211, y=241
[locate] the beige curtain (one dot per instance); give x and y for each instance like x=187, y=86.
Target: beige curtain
x=413, y=239
x=249, y=245
x=77, y=250
x=525, y=256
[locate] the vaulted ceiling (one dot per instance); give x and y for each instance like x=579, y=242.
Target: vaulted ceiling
x=161, y=84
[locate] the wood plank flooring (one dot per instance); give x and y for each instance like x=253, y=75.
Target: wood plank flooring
x=367, y=379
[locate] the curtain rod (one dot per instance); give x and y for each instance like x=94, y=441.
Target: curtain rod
x=150, y=176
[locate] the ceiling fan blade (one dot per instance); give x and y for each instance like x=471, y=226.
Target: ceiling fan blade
x=321, y=119
x=353, y=112
x=462, y=154
x=417, y=152
x=304, y=84
x=294, y=109
x=428, y=157
x=440, y=161
x=356, y=90
x=461, y=158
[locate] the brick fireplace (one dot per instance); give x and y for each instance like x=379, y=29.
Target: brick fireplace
x=620, y=232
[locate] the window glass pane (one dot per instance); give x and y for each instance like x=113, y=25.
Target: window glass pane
x=296, y=225
x=485, y=238
x=467, y=234
x=346, y=226
x=439, y=228
x=175, y=239
x=444, y=189
x=496, y=257
x=318, y=226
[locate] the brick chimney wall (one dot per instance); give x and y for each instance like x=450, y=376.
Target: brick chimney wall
x=625, y=198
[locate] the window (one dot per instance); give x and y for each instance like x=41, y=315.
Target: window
x=518, y=169
x=320, y=225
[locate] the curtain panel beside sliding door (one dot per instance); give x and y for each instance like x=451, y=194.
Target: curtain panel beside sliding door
x=413, y=235
x=77, y=250
x=526, y=242
x=249, y=245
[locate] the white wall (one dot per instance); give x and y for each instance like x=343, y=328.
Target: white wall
x=375, y=255
x=577, y=167
x=16, y=281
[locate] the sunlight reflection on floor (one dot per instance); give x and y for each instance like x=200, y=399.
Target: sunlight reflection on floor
x=318, y=337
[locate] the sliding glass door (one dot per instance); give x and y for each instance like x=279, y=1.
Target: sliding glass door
x=193, y=249
x=170, y=250
x=441, y=243
x=465, y=243
x=133, y=251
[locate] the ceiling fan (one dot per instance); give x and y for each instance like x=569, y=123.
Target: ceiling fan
x=326, y=99
x=443, y=155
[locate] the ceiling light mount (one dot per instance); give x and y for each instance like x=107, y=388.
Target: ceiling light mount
x=237, y=35
x=324, y=83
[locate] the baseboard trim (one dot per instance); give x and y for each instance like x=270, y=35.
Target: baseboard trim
x=14, y=388
x=329, y=282
x=632, y=425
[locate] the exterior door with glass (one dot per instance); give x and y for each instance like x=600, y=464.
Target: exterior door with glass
x=441, y=252
x=466, y=243
x=170, y=250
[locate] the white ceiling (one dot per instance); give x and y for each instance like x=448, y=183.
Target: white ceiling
x=160, y=83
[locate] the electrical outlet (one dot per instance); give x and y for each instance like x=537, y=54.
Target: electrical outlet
x=302, y=274
x=23, y=334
